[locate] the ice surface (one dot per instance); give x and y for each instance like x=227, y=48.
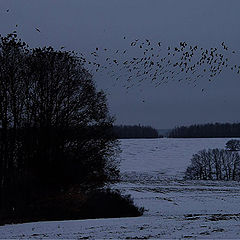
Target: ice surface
x=152, y=171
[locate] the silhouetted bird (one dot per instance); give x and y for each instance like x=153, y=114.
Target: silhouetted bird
x=37, y=29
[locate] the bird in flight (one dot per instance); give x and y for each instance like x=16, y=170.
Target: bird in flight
x=37, y=29
x=7, y=10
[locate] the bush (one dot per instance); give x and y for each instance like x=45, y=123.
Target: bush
x=74, y=205
x=214, y=164
x=110, y=203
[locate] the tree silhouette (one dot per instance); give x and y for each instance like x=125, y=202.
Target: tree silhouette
x=233, y=145
x=55, y=126
x=214, y=164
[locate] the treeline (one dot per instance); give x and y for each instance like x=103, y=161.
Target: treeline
x=136, y=131
x=210, y=130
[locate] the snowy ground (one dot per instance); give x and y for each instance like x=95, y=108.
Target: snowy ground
x=152, y=173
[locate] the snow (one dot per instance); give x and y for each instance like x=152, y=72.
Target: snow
x=152, y=171
x=170, y=156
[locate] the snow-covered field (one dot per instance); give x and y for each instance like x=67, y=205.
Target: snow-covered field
x=152, y=171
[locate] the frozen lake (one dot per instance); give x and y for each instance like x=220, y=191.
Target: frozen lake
x=152, y=171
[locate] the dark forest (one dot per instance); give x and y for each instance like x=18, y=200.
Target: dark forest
x=210, y=130
x=136, y=131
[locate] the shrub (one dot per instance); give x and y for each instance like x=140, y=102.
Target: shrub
x=74, y=205
x=110, y=203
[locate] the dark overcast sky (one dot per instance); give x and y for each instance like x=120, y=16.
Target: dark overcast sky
x=82, y=25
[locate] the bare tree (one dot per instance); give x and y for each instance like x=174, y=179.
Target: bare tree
x=214, y=164
x=233, y=145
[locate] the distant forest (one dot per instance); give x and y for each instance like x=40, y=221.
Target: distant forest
x=136, y=131
x=210, y=130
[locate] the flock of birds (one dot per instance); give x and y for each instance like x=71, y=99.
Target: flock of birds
x=147, y=60
x=143, y=60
